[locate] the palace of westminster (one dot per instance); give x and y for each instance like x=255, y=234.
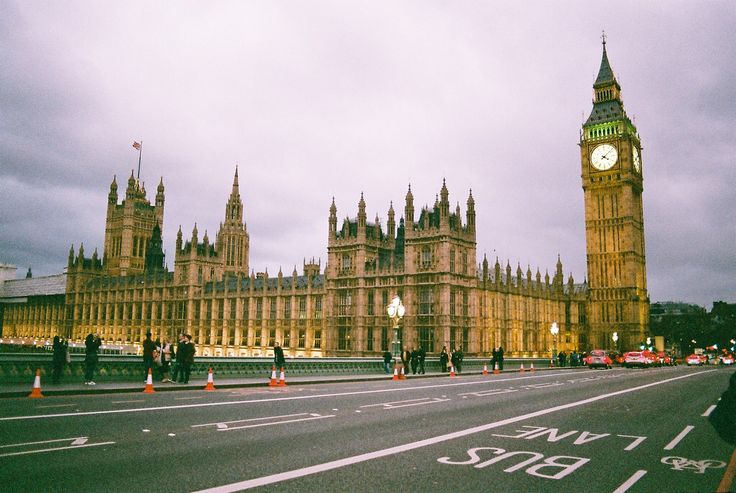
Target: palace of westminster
x=427, y=257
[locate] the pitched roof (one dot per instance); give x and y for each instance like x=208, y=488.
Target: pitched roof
x=34, y=286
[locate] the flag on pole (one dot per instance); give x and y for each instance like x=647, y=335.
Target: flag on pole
x=136, y=145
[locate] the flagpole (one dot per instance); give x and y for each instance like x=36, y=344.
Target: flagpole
x=140, y=152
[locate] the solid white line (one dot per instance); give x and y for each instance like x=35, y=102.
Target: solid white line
x=55, y=405
x=347, y=461
x=708, y=411
x=251, y=419
x=127, y=402
x=395, y=402
x=433, y=401
x=630, y=482
x=276, y=423
x=45, y=441
x=276, y=399
x=678, y=438
x=186, y=398
x=55, y=449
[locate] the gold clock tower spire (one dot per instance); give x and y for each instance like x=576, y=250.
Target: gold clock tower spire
x=610, y=155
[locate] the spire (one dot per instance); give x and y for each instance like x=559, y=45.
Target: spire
x=605, y=72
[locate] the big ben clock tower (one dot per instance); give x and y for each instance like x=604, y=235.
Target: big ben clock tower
x=612, y=168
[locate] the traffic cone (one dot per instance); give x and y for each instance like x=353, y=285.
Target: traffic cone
x=210, y=382
x=521, y=370
x=496, y=371
x=396, y=373
x=36, y=392
x=485, y=369
x=452, y=370
x=282, y=379
x=149, y=384
x=273, y=382
x=402, y=375
x=532, y=368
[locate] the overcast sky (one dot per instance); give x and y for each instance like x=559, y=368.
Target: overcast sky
x=320, y=99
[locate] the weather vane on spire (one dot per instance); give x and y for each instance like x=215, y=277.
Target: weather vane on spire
x=603, y=37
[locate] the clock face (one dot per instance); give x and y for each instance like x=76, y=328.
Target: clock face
x=604, y=157
x=636, y=159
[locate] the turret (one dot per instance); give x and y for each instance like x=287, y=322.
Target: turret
x=361, y=215
x=444, y=203
x=179, y=239
x=470, y=213
x=409, y=209
x=333, y=219
x=112, y=197
x=391, y=224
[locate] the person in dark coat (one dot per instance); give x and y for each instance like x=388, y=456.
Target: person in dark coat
x=189, y=351
x=414, y=361
x=278, y=356
x=500, y=357
x=91, y=344
x=457, y=359
x=422, y=356
x=179, y=359
x=405, y=359
x=387, y=361
x=444, y=359
x=148, y=347
x=60, y=348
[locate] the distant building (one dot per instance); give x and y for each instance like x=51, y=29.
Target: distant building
x=428, y=257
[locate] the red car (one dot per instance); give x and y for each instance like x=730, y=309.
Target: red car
x=695, y=359
x=665, y=358
x=598, y=358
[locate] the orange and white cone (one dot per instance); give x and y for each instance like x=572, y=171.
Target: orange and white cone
x=532, y=368
x=396, y=373
x=282, y=379
x=210, y=382
x=452, y=370
x=273, y=382
x=496, y=371
x=402, y=375
x=36, y=392
x=485, y=369
x=149, y=384
x=521, y=370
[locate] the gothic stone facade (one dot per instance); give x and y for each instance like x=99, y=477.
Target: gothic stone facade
x=429, y=259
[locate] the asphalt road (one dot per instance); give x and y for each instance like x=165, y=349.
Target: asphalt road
x=604, y=430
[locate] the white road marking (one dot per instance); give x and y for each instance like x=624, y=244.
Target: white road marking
x=630, y=482
x=186, y=398
x=128, y=402
x=72, y=440
x=27, y=452
x=273, y=423
x=708, y=411
x=249, y=420
x=678, y=438
x=55, y=405
x=392, y=451
x=483, y=393
x=279, y=399
x=421, y=400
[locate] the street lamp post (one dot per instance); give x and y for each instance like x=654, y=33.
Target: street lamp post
x=554, y=329
x=396, y=313
x=615, y=341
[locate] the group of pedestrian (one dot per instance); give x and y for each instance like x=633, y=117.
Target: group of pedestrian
x=452, y=359
x=575, y=358
x=161, y=355
x=497, y=358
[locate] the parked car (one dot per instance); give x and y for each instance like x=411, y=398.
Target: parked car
x=637, y=358
x=694, y=360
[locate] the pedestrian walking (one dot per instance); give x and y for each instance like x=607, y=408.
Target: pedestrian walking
x=422, y=356
x=148, y=348
x=457, y=359
x=387, y=361
x=278, y=355
x=189, y=350
x=414, y=358
x=444, y=359
x=91, y=344
x=60, y=348
x=500, y=358
x=166, y=352
x=179, y=358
